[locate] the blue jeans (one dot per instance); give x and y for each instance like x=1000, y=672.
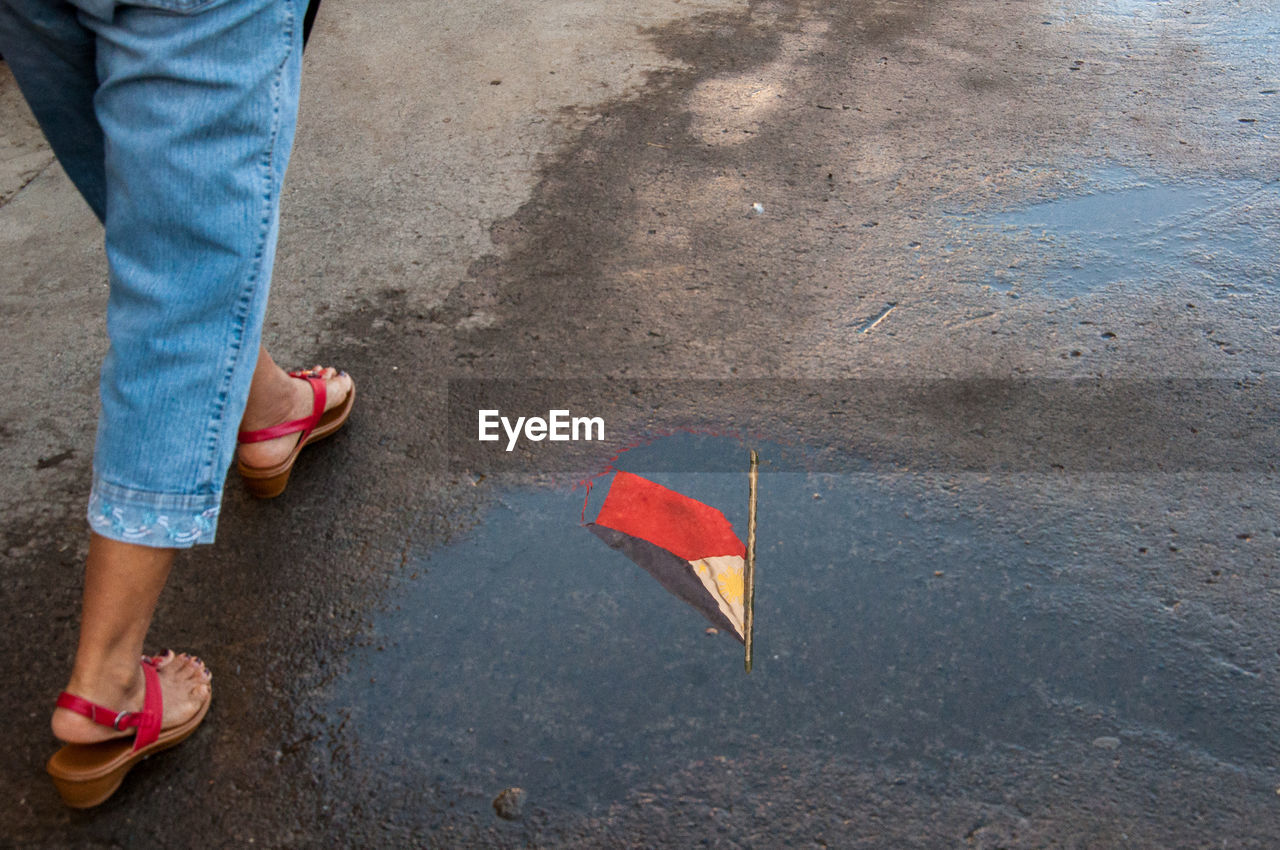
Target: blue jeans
x=175, y=119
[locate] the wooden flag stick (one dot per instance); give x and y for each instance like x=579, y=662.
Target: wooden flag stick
x=749, y=574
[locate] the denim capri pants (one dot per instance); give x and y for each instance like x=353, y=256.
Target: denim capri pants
x=174, y=119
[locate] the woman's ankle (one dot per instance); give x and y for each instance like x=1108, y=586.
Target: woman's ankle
x=114, y=679
x=273, y=399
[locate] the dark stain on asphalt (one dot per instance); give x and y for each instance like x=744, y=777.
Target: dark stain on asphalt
x=54, y=460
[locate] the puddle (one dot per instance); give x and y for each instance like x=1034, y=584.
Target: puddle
x=892, y=622
x=1128, y=231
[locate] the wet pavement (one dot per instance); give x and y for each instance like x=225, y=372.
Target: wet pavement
x=1003, y=327
x=1126, y=231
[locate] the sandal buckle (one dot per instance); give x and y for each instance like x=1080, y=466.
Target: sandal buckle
x=121, y=716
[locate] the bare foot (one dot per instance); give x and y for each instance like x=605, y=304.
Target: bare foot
x=184, y=686
x=291, y=399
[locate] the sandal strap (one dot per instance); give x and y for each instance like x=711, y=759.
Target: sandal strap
x=306, y=424
x=99, y=714
x=147, y=721
x=152, y=708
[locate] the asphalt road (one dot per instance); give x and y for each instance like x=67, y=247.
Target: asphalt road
x=992, y=287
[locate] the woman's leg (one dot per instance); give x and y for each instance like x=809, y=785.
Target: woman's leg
x=54, y=50
x=122, y=583
x=198, y=111
x=188, y=119
x=53, y=57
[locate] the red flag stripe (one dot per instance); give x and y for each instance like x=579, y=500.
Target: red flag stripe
x=685, y=527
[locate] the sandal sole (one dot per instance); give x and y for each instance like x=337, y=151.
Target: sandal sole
x=86, y=775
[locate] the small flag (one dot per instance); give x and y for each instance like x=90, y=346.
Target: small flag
x=689, y=547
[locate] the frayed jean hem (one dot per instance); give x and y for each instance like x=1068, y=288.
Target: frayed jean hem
x=162, y=520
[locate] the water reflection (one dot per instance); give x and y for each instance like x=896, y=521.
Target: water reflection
x=890, y=623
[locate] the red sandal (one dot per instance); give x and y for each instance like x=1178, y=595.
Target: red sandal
x=87, y=774
x=269, y=482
